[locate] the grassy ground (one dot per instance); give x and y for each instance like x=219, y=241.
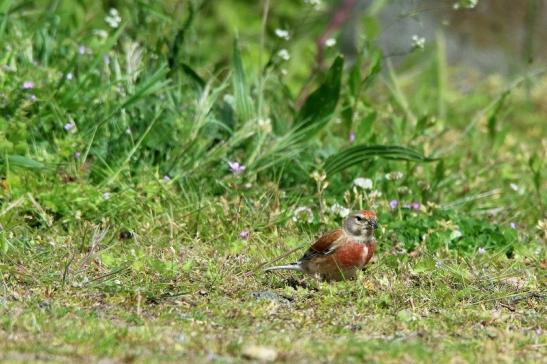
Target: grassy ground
x=126, y=236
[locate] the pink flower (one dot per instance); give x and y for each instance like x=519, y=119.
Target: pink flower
x=415, y=206
x=236, y=168
x=393, y=204
x=27, y=85
x=244, y=234
x=351, y=137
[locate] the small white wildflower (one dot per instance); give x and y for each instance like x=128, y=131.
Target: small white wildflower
x=229, y=99
x=113, y=18
x=69, y=76
x=100, y=33
x=117, y=282
x=418, y=42
x=364, y=183
x=265, y=124
x=331, y=42
x=339, y=210
x=394, y=176
x=438, y=263
x=284, y=54
x=516, y=188
x=481, y=251
x=455, y=234
x=316, y=4
x=283, y=34
x=106, y=196
x=303, y=214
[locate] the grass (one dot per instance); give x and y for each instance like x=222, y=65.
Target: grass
x=121, y=223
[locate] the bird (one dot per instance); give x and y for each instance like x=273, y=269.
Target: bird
x=339, y=254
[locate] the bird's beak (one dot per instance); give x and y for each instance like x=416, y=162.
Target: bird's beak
x=373, y=224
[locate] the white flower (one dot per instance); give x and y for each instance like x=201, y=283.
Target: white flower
x=455, y=234
x=516, y=188
x=69, y=76
x=418, y=42
x=100, y=33
x=331, y=42
x=106, y=196
x=283, y=34
x=340, y=210
x=113, y=18
x=229, y=99
x=364, y=183
x=316, y=4
x=303, y=214
x=284, y=54
x=438, y=263
x=481, y=250
x=265, y=124
x=394, y=176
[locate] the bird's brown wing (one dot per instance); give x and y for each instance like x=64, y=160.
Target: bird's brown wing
x=325, y=245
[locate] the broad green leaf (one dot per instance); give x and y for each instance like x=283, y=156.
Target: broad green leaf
x=360, y=153
x=19, y=161
x=243, y=104
x=320, y=105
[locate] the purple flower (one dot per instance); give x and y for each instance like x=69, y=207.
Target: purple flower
x=351, y=137
x=82, y=50
x=166, y=178
x=27, y=85
x=244, y=234
x=415, y=206
x=77, y=154
x=69, y=126
x=236, y=168
x=393, y=204
x=513, y=225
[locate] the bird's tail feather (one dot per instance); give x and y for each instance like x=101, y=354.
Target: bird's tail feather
x=293, y=266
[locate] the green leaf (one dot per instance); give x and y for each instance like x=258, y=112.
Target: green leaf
x=243, y=104
x=19, y=161
x=360, y=153
x=320, y=105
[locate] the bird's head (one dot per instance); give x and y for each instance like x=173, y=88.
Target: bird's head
x=361, y=225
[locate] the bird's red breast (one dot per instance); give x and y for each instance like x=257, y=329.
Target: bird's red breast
x=335, y=256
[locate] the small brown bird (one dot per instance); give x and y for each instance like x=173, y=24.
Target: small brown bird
x=339, y=254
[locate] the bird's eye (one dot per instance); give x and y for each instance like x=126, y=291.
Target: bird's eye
x=358, y=218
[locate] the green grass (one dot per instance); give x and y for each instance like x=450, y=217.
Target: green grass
x=102, y=257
